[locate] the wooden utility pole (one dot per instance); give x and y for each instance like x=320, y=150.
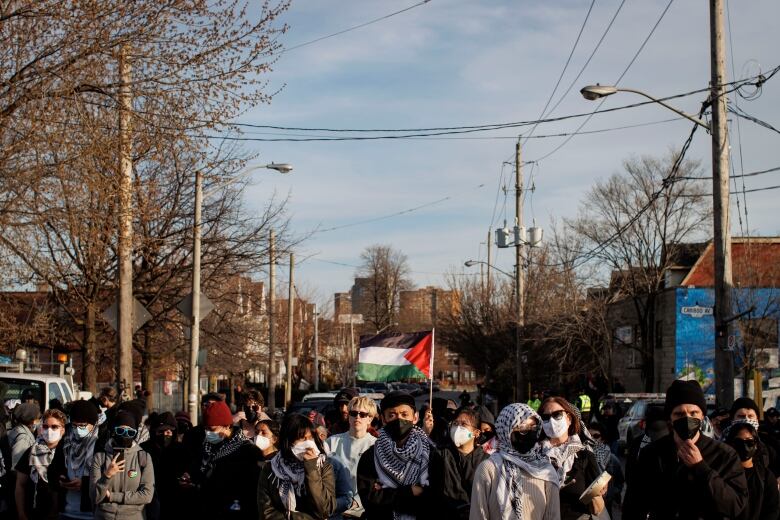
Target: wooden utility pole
x=290, y=335
x=519, y=238
x=489, y=260
x=271, y=308
x=724, y=358
x=194, y=380
x=125, y=241
x=316, y=350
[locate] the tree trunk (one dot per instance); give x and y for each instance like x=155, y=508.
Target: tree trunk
x=88, y=354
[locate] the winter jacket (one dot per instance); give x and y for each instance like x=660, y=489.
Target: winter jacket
x=583, y=472
x=452, y=476
x=763, y=502
x=380, y=502
x=169, y=465
x=318, y=501
x=20, y=438
x=130, y=490
x=344, y=492
x=662, y=487
x=231, y=482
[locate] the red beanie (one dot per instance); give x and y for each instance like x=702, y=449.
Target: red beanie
x=217, y=414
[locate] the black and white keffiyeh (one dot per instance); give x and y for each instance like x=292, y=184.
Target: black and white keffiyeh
x=736, y=422
x=512, y=463
x=79, y=451
x=404, y=466
x=214, y=452
x=562, y=456
x=290, y=476
x=40, y=459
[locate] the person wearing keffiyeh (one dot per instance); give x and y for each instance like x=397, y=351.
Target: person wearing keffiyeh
x=517, y=481
x=299, y=481
x=568, y=446
x=69, y=471
x=33, y=494
x=392, y=475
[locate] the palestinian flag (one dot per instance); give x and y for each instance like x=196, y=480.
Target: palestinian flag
x=395, y=356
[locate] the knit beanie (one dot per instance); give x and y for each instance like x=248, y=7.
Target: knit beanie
x=217, y=414
x=183, y=417
x=83, y=412
x=125, y=418
x=166, y=419
x=684, y=392
x=743, y=402
x=26, y=413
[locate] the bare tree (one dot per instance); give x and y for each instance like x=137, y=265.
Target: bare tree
x=635, y=224
x=385, y=273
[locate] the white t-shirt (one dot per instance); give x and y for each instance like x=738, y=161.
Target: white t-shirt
x=348, y=449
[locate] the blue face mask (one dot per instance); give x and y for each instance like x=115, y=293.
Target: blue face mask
x=213, y=437
x=82, y=431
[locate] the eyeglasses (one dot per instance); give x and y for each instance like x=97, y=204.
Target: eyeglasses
x=557, y=415
x=749, y=443
x=465, y=424
x=355, y=413
x=125, y=431
x=51, y=426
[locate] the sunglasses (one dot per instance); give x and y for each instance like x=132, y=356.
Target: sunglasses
x=355, y=413
x=557, y=415
x=596, y=436
x=125, y=431
x=747, y=442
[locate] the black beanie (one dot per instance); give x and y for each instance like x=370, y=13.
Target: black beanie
x=125, y=418
x=744, y=402
x=397, y=398
x=135, y=407
x=83, y=412
x=684, y=392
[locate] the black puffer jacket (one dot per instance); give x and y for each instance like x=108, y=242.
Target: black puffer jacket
x=451, y=477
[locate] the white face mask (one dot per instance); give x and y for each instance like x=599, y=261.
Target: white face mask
x=262, y=442
x=51, y=436
x=82, y=431
x=460, y=435
x=299, y=449
x=555, y=428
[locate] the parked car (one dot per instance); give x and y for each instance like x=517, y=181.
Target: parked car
x=319, y=396
x=378, y=387
x=304, y=407
x=632, y=425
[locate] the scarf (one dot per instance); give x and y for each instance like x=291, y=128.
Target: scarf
x=40, y=458
x=735, y=422
x=290, y=476
x=562, y=456
x=513, y=464
x=78, y=452
x=404, y=466
x=215, y=452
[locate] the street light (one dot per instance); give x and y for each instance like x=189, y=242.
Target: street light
x=595, y=92
x=192, y=398
x=472, y=263
x=724, y=362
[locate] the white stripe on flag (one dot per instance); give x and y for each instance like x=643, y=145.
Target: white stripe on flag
x=384, y=356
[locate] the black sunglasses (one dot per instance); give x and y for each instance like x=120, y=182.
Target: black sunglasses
x=355, y=413
x=557, y=415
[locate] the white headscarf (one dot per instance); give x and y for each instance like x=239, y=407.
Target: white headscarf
x=514, y=463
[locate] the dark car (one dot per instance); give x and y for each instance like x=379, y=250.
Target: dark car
x=632, y=425
x=303, y=408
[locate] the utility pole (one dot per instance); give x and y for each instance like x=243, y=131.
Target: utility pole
x=271, y=309
x=724, y=360
x=316, y=349
x=125, y=242
x=290, y=335
x=192, y=399
x=519, y=237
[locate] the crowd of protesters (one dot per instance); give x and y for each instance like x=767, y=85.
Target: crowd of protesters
x=107, y=459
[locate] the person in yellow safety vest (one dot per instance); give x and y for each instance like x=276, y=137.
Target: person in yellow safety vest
x=535, y=402
x=583, y=403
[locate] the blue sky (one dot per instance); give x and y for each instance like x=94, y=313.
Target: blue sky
x=466, y=62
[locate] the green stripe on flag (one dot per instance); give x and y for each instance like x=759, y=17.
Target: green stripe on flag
x=372, y=372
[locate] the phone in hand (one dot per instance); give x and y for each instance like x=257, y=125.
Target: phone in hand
x=121, y=455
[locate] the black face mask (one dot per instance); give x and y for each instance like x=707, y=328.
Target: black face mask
x=746, y=449
x=122, y=442
x=182, y=427
x=686, y=427
x=485, y=437
x=164, y=440
x=398, y=429
x=523, y=443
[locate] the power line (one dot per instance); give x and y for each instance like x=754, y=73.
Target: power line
x=735, y=176
x=622, y=75
x=565, y=66
x=359, y=26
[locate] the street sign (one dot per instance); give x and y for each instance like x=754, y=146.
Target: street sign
x=140, y=315
x=732, y=342
x=185, y=306
x=202, y=357
x=355, y=319
x=697, y=311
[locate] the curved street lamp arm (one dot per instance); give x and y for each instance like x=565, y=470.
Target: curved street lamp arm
x=670, y=107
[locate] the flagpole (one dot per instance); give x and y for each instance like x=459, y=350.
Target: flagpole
x=430, y=382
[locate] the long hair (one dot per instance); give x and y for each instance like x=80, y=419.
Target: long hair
x=574, y=416
x=294, y=427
